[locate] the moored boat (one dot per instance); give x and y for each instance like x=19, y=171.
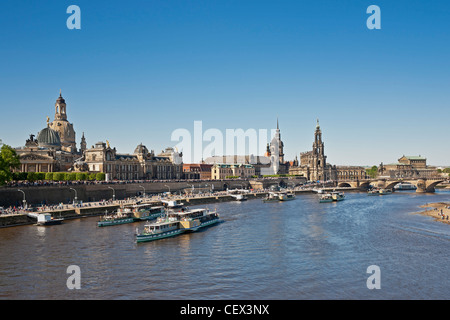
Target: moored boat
x=173, y=223
x=146, y=212
x=373, y=192
x=286, y=196
x=46, y=219
x=121, y=216
x=405, y=186
x=239, y=197
x=271, y=197
x=326, y=197
x=337, y=196
x=385, y=191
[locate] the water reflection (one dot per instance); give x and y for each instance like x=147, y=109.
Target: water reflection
x=300, y=249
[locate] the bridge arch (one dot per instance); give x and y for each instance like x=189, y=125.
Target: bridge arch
x=344, y=185
x=392, y=184
x=431, y=185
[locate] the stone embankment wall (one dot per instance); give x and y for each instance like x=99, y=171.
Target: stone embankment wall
x=50, y=195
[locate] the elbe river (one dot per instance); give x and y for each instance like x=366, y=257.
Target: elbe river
x=300, y=249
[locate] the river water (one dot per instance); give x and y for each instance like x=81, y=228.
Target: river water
x=300, y=249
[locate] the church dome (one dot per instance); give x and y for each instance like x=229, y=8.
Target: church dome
x=141, y=149
x=48, y=138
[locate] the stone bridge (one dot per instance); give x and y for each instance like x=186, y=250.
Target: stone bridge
x=422, y=184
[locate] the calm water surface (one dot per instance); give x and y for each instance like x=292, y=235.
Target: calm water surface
x=299, y=249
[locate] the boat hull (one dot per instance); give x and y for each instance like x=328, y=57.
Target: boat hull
x=270, y=200
x=287, y=199
x=115, y=222
x=50, y=222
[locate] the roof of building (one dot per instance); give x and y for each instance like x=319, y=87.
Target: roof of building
x=48, y=138
x=415, y=157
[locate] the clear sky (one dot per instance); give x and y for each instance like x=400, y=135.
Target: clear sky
x=138, y=70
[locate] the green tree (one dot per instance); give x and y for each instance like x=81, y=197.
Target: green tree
x=32, y=176
x=81, y=176
x=8, y=160
x=49, y=176
x=70, y=176
x=58, y=176
x=372, y=172
x=100, y=176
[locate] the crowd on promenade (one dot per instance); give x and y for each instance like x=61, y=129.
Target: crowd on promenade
x=191, y=193
x=38, y=183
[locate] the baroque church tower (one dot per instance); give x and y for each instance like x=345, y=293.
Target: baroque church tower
x=63, y=127
x=318, y=149
x=275, y=151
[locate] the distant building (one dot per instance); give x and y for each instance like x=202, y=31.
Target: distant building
x=63, y=127
x=257, y=162
x=313, y=164
x=54, y=148
x=351, y=173
x=271, y=163
x=408, y=167
x=224, y=171
x=200, y=171
x=142, y=164
x=314, y=167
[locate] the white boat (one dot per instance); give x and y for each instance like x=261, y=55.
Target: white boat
x=175, y=222
x=146, y=212
x=385, y=191
x=46, y=219
x=337, y=196
x=405, y=186
x=326, y=197
x=271, y=197
x=286, y=196
x=239, y=197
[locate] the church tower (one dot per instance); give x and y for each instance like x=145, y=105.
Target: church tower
x=319, y=158
x=83, y=144
x=63, y=127
x=280, y=144
x=60, y=108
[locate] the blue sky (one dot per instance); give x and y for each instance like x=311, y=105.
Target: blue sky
x=138, y=70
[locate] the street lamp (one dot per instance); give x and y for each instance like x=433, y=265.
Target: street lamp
x=114, y=193
x=75, y=200
x=24, y=201
x=167, y=187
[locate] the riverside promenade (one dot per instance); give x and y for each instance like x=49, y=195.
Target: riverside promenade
x=97, y=208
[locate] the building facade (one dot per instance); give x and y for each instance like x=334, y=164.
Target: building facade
x=313, y=164
x=408, y=167
x=54, y=148
x=141, y=165
x=226, y=171
x=200, y=171
x=314, y=167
